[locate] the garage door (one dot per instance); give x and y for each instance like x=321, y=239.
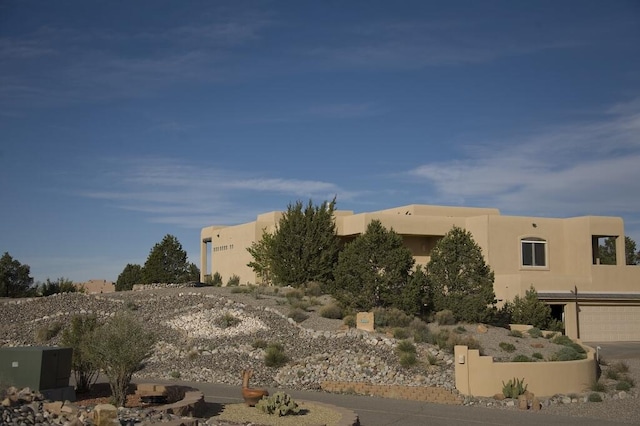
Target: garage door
x=610, y=323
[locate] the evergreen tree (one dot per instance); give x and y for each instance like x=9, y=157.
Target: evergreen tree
x=607, y=251
x=261, y=252
x=460, y=279
x=130, y=275
x=305, y=245
x=530, y=310
x=14, y=278
x=167, y=263
x=374, y=270
x=61, y=285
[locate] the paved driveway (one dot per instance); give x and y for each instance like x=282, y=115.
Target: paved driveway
x=617, y=350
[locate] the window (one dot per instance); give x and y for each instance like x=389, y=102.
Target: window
x=534, y=252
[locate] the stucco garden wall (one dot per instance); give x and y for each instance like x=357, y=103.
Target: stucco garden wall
x=478, y=375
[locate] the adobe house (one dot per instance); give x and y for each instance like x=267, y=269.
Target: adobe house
x=97, y=286
x=557, y=256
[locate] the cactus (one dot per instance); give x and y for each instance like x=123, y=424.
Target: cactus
x=279, y=403
x=514, y=388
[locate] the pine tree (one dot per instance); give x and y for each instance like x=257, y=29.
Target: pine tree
x=167, y=263
x=130, y=275
x=460, y=279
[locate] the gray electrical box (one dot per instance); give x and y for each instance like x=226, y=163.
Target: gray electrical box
x=37, y=367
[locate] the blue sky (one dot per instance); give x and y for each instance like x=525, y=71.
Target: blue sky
x=121, y=121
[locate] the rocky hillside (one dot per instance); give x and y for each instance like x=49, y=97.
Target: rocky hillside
x=211, y=334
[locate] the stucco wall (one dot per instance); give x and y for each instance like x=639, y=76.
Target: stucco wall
x=479, y=376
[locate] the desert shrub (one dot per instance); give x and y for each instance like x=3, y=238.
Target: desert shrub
x=594, y=397
x=401, y=333
x=629, y=380
x=216, y=280
x=275, y=356
x=294, y=294
x=623, y=386
x=432, y=359
x=175, y=374
x=131, y=305
x=313, y=289
x=279, y=403
x=537, y=355
x=612, y=374
x=233, y=281
x=406, y=346
x=521, y=358
x=516, y=333
x=78, y=337
x=259, y=344
x=550, y=336
x=561, y=340
x=391, y=317
x=577, y=347
x=447, y=341
x=567, y=354
x=534, y=332
x=245, y=289
x=47, y=332
x=420, y=330
x=332, y=311
x=507, y=347
x=407, y=359
x=349, y=321
x=298, y=315
x=514, y=388
x=597, y=386
x=193, y=354
x=303, y=305
x=445, y=317
x=227, y=320
x=460, y=329
x=119, y=347
x=619, y=366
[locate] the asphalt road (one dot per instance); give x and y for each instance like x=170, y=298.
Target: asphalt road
x=374, y=411
x=617, y=350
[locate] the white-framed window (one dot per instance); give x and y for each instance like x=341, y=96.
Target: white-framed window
x=534, y=252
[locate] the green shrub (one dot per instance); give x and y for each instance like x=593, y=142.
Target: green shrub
x=274, y=355
x=420, y=330
x=623, y=386
x=259, y=344
x=594, y=397
x=406, y=346
x=460, y=329
x=577, y=347
x=233, y=281
x=507, y=347
x=537, y=355
x=619, y=366
x=521, y=358
x=556, y=325
x=561, y=340
x=303, y=305
x=294, y=294
x=175, y=374
x=567, y=354
x=390, y=317
x=298, y=315
x=535, y=332
x=432, y=359
x=629, y=380
x=612, y=374
x=78, y=337
x=445, y=317
x=216, y=280
x=227, y=320
x=597, y=386
x=331, y=311
x=401, y=333
x=516, y=333
x=47, y=332
x=118, y=348
x=279, y=403
x=407, y=359
x=313, y=289
x=514, y=388
x=349, y=321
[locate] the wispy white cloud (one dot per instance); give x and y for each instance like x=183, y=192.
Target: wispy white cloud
x=185, y=194
x=583, y=168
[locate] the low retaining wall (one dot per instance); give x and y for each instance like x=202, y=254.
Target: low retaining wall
x=414, y=393
x=479, y=376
